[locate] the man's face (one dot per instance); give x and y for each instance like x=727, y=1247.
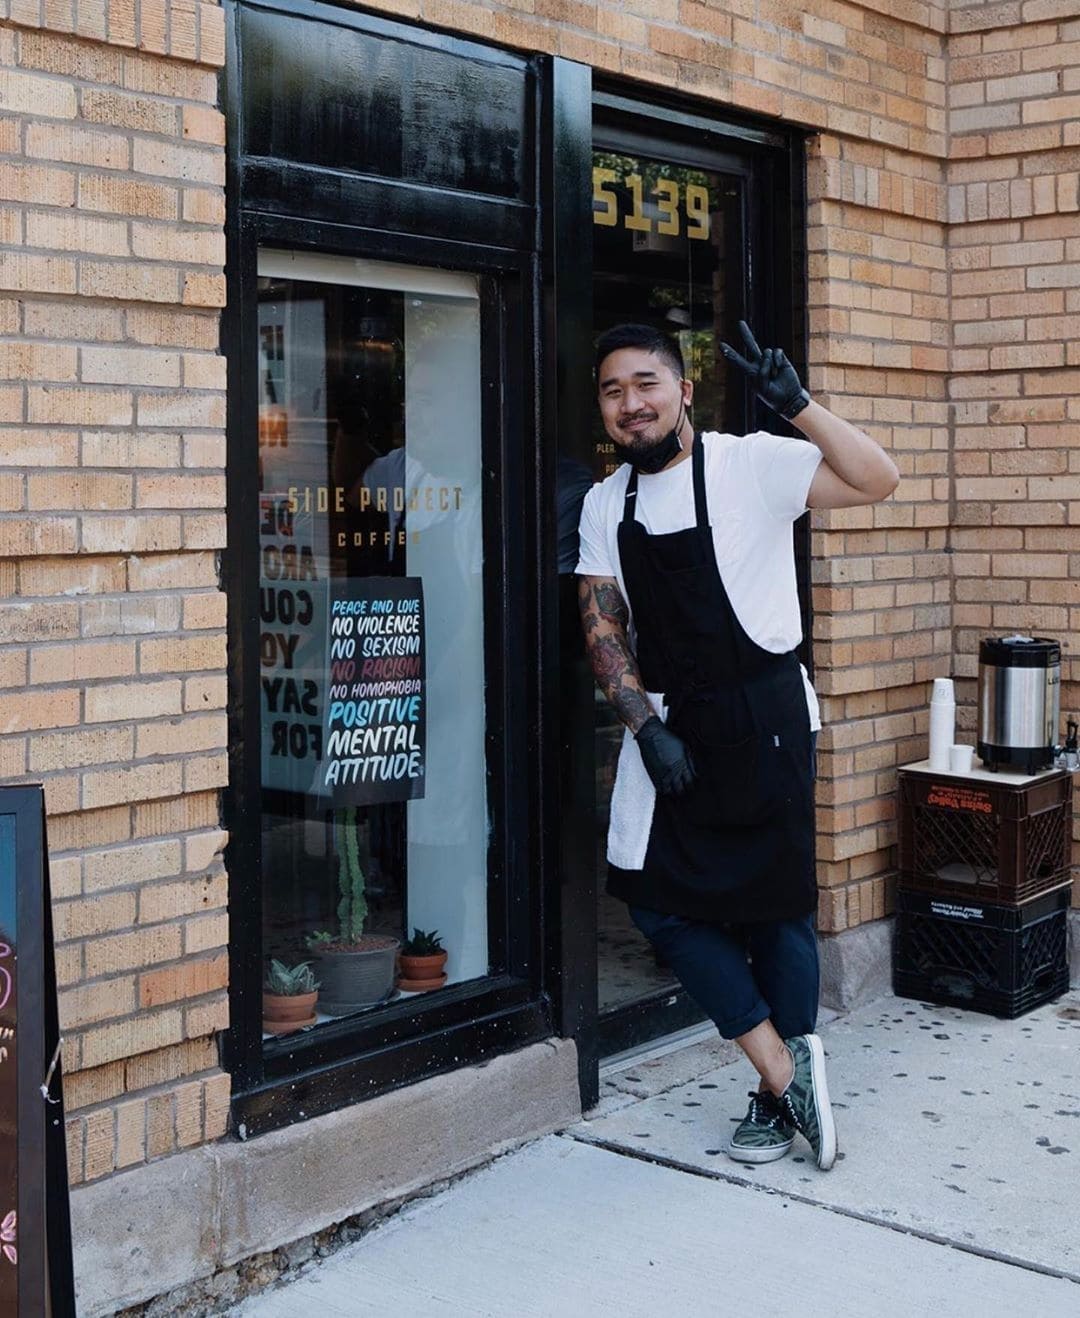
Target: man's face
x=641, y=398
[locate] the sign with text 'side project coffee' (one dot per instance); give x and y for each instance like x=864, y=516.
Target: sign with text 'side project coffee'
x=374, y=737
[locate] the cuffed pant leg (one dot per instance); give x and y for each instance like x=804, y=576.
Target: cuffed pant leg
x=787, y=973
x=711, y=965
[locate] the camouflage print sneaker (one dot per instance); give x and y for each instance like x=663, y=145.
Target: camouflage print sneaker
x=764, y=1134
x=805, y=1102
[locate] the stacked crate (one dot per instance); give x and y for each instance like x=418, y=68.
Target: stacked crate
x=984, y=889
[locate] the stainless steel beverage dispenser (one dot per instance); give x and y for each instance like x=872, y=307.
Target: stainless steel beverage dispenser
x=1019, y=702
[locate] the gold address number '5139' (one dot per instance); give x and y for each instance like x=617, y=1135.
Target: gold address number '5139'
x=666, y=194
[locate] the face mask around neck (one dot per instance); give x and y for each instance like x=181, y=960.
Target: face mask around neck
x=662, y=452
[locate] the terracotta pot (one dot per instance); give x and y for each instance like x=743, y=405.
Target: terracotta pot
x=422, y=967
x=285, y=1012
x=421, y=985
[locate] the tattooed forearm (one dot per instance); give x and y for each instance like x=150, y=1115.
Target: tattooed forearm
x=605, y=617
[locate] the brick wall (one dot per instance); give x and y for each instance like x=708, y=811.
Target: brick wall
x=942, y=307
x=1014, y=261
x=112, y=492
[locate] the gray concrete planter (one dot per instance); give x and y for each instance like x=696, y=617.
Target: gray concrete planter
x=358, y=977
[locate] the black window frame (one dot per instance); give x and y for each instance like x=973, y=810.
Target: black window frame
x=283, y=205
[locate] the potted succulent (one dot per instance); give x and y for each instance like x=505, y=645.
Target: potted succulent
x=356, y=969
x=422, y=961
x=289, y=996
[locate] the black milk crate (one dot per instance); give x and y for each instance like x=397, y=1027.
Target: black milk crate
x=984, y=841
x=1002, y=960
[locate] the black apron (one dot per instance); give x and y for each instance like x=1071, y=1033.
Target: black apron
x=739, y=846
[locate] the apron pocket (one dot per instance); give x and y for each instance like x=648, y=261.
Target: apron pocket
x=739, y=785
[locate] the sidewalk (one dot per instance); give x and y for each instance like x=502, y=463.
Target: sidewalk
x=957, y=1192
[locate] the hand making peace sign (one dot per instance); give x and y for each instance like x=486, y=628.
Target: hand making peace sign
x=775, y=379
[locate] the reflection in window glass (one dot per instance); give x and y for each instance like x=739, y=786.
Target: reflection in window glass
x=374, y=809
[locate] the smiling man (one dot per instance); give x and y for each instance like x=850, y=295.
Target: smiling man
x=691, y=616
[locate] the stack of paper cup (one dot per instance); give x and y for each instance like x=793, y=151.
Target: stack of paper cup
x=942, y=723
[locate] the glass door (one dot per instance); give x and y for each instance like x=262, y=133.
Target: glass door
x=670, y=246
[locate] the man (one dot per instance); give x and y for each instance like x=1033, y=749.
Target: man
x=688, y=600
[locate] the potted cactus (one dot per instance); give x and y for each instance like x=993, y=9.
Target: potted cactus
x=356, y=969
x=422, y=960
x=289, y=996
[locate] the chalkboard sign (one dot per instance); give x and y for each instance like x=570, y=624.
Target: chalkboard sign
x=35, y=1223
x=374, y=741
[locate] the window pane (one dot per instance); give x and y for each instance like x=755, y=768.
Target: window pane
x=374, y=809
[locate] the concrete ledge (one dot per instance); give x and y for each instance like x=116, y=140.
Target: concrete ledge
x=164, y=1224
x=1072, y=934
x=856, y=966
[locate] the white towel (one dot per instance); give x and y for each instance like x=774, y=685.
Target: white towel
x=633, y=800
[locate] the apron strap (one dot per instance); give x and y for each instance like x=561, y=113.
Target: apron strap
x=631, y=495
x=701, y=504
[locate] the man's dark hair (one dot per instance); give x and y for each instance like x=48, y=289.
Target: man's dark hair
x=639, y=336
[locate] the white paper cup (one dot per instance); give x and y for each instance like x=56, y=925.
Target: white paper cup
x=960, y=758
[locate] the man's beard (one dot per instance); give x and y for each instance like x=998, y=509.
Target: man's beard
x=650, y=455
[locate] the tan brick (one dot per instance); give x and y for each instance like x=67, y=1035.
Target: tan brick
x=168, y=328
x=216, y=1098
x=191, y=733
x=63, y=55
x=143, y=534
x=99, y=1085
x=130, y=951
x=180, y=815
x=189, y=1114
x=206, y=691
x=138, y=783
x=192, y=164
x=165, y=242
x=73, y=749
x=87, y=916
x=182, y=654
x=118, y=448
x=37, y=361
x=130, y=1132
x=123, y=196
x=100, y=1143
x=128, y=281
x=76, y=490
x=206, y=1017
x=41, y=621
x=204, y=611
x=57, y=405
x=65, y=876
x=182, y=409
x=203, y=206
x=204, y=370
x=37, y=274
x=120, y=867
x=140, y=366
x=122, y=110
x=142, y=1033
x=66, y=576
x=160, y=1126
x=46, y=709
x=204, y=933
x=182, y=490
x=84, y=661
x=168, y=1064
x=69, y=320
x=201, y=290
x=205, y=531
x=75, y=1135
x=189, y=979
x=206, y=771
x=167, y=901
x=172, y=571
x=88, y=1004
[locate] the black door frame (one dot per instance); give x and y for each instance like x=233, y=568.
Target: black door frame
x=772, y=160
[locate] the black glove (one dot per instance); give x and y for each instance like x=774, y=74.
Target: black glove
x=666, y=758
x=775, y=379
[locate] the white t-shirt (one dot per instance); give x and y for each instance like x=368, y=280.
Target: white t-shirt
x=756, y=487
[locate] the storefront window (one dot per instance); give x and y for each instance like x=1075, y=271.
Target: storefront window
x=374, y=820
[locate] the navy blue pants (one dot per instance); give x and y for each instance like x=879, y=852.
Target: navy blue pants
x=779, y=981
